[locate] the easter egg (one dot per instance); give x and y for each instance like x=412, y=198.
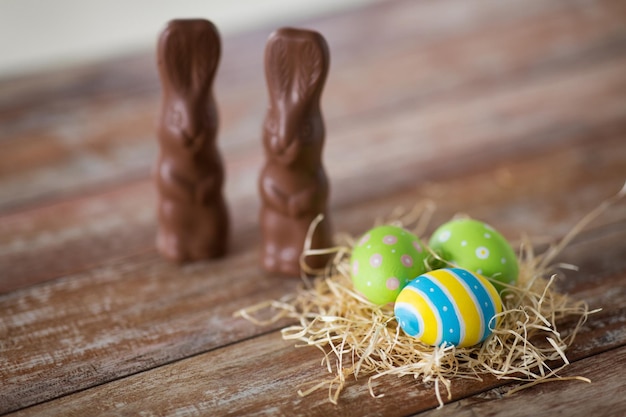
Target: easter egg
x=474, y=245
x=384, y=260
x=450, y=305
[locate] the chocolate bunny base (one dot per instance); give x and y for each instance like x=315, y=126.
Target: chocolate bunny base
x=190, y=232
x=279, y=232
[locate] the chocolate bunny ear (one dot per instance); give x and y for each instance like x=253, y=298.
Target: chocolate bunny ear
x=188, y=54
x=278, y=66
x=312, y=66
x=296, y=60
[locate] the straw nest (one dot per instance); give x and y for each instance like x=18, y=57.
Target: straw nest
x=359, y=339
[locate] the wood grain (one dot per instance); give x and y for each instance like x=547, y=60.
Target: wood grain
x=551, y=399
x=255, y=375
x=49, y=242
x=138, y=314
x=54, y=338
x=432, y=63
x=513, y=112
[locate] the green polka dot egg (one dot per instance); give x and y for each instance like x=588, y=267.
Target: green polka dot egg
x=476, y=246
x=384, y=260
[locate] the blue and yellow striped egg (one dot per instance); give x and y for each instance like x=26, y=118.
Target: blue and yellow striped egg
x=451, y=305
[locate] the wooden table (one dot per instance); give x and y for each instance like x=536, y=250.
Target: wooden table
x=513, y=112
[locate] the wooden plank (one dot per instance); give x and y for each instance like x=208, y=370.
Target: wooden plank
x=349, y=33
x=101, y=137
x=137, y=314
x=261, y=376
x=510, y=111
x=73, y=235
x=68, y=237
x=126, y=317
x=571, y=399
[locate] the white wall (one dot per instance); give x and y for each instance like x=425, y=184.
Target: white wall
x=40, y=34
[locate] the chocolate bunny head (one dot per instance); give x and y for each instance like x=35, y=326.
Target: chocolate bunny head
x=296, y=66
x=188, y=54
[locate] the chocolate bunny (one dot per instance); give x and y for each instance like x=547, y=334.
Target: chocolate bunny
x=293, y=184
x=192, y=214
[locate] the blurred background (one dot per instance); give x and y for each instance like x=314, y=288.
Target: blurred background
x=39, y=35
